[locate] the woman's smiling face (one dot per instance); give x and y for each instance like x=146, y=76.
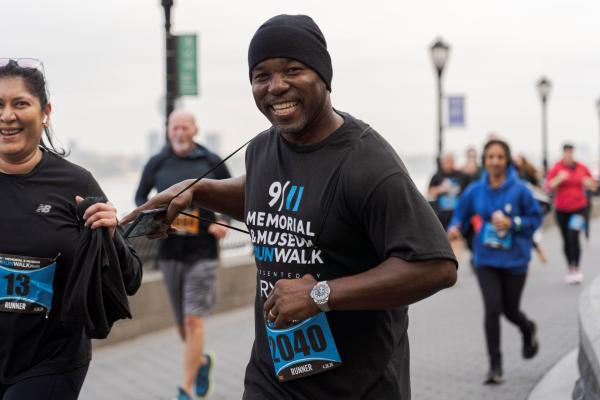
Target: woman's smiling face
x=21, y=120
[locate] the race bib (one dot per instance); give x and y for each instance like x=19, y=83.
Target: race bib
x=577, y=222
x=447, y=202
x=186, y=225
x=26, y=284
x=493, y=240
x=303, y=349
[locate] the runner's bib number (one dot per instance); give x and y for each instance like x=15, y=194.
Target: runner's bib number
x=448, y=202
x=577, y=222
x=492, y=239
x=186, y=225
x=303, y=349
x=26, y=284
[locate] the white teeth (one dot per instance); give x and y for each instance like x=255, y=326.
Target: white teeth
x=284, y=105
x=9, y=131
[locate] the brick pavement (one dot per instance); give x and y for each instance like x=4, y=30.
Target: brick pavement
x=446, y=334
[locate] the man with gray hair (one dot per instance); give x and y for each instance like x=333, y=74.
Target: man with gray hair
x=188, y=259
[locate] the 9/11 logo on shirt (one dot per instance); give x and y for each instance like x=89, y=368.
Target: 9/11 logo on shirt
x=291, y=198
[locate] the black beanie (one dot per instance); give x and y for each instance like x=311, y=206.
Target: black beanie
x=292, y=36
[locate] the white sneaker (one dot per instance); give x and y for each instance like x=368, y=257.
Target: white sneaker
x=577, y=277
x=569, y=278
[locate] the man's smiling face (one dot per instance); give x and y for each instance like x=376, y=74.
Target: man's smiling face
x=290, y=94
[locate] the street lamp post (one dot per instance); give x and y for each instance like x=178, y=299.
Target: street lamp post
x=439, y=56
x=170, y=61
x=543, y=87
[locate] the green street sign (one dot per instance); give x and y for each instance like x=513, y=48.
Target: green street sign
x=187, y=66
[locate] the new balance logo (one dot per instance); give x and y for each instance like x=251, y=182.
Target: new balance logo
x=44, y=208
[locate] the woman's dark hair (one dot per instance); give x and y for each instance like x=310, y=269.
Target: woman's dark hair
x=500, y=143
x=36, y=85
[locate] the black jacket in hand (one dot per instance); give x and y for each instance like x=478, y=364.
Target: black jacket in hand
x=105, y=270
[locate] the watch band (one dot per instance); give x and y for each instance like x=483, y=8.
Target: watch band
x=323, y=307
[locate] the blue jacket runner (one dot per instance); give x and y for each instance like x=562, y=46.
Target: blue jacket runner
x=514, y=199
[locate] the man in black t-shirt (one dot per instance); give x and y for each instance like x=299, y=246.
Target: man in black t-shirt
x=445, y=188
x=343, y=240
x=188, y=259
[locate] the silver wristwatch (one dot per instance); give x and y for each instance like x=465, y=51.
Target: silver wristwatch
x=320, y=295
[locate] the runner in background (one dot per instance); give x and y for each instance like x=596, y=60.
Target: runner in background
x=530, y=174
x=188, y=259
x=507, y=216
x=569, y=179
x=445, y=187
x=472, y=168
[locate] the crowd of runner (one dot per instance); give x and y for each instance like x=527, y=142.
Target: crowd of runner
x=344, y=241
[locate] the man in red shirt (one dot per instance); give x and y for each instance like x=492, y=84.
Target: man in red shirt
x=569, y=180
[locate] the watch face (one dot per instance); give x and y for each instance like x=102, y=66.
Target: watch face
x=320, y=292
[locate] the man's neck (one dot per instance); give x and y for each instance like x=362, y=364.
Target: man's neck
x=183, y=153
x=323, y=126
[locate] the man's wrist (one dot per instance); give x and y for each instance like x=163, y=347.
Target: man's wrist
x=320, y=295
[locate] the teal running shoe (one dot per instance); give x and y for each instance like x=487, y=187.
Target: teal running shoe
x=204, y=383
x=182, y=395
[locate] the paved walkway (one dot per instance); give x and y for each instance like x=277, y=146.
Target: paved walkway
x=446, y=334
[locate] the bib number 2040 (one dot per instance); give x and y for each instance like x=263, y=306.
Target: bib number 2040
x=22, y=284
x=281, y=345
x=304, y=349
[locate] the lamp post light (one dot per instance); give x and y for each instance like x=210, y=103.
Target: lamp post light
x=170, y=61
x=543, y=87
x=439, y=55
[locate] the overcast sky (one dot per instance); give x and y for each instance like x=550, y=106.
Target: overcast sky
x=104, y=62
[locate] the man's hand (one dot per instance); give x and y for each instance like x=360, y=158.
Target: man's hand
x=100, y=215
x=290, y=301
x=218, y=231
x=164, y=198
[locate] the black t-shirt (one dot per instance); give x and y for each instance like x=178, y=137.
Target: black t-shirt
x=192, y=242
x=445, y=203
x=376, y=212
x=39, y=219
x=458, y=181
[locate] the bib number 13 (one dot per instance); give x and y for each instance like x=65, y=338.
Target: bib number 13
x=17, y=284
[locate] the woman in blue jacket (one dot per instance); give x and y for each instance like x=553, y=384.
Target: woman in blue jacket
x=505, y=215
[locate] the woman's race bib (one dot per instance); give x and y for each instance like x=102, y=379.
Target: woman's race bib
x=577, y=222
x=26, y=284
x=491, y=238
x=304, y=349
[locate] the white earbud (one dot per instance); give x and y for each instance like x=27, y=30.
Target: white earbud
x=45, y=120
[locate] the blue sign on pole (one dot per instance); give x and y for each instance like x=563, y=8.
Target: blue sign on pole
x=456, y=111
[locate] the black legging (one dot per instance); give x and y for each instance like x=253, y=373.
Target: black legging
x=501, y=293
x=64, y=386
x=570, y=237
